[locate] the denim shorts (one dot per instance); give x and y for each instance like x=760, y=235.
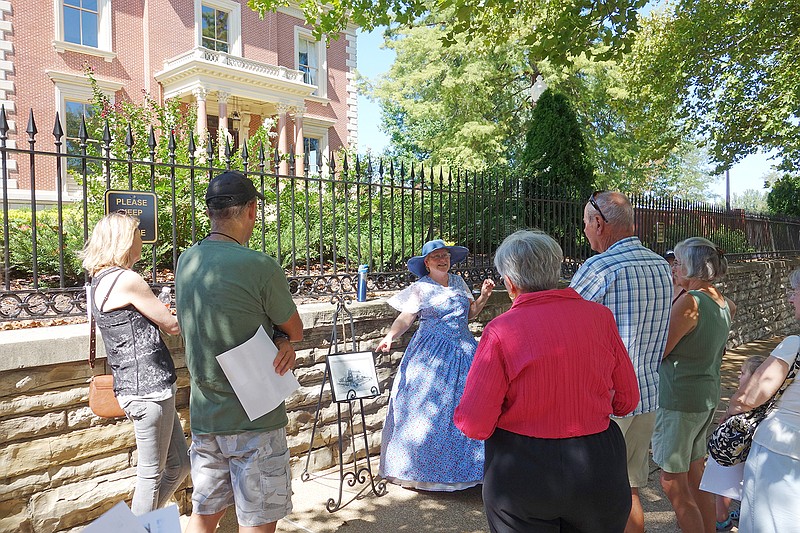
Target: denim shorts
x=250, y=470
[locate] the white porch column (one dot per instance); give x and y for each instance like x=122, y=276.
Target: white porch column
x=200, y=94
x=283, y=138
x=299, y=145
x=244, y=128
x=222, y=103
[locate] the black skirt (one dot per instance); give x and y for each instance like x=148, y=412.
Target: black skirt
x=577, y=484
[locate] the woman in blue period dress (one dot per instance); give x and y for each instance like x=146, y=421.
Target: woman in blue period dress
x=420, y=447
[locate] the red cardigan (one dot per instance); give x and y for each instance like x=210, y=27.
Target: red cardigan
x=551, y=367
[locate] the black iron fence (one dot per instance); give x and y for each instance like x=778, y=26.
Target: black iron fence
x=319, y=227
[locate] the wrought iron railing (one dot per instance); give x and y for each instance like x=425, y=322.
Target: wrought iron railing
x=319, y=227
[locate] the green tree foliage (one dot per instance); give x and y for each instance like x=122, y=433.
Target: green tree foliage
x=750, y=200
x=555, y=167
x=50, y=249
x=454, y=105
x=784, y=198
x=631, y=152
x=462, y=106
x=727, y=71
x=555, y=150
x=560, y=29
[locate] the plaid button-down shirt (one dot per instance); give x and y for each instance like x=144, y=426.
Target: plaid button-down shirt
x=636, y=284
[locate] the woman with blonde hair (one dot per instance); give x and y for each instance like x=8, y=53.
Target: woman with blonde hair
x=129, y=317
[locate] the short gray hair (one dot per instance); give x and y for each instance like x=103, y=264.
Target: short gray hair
x=701, y=259
x=615, y=206
x=230, y=212
x=794, y=278
x=531, y=259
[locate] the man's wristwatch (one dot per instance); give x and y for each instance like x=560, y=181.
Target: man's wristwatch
x=279, y=334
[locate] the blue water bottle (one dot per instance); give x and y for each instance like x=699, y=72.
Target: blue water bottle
x=362, y=283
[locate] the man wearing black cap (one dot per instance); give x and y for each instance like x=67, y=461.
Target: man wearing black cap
x=225, y=291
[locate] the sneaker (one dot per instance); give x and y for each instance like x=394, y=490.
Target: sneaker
x=734, y=515
x=727, y=525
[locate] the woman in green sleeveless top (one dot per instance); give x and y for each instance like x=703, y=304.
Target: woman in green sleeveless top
x=689, y=381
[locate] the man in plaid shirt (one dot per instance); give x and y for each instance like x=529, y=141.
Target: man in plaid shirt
x=636, y=284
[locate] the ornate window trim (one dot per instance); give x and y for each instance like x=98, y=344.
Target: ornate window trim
x=234, y=10
x=104, y=38
x=322, y=60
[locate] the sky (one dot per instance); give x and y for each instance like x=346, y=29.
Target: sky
x=373, y=60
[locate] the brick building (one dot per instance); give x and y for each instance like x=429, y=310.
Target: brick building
x=236, y=68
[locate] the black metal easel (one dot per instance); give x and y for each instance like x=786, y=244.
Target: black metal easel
x=356, y=474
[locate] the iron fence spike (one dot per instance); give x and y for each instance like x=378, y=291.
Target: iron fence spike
x=31, y=129
x=58, y=132
x=3, y=121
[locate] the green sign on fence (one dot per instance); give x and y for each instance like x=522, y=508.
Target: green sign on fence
x=138, y=204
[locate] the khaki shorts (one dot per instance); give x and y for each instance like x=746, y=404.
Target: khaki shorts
x=249, y=469
x=680, y=438
x=637, y=430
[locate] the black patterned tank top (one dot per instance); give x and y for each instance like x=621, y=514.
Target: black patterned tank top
x=140, y=361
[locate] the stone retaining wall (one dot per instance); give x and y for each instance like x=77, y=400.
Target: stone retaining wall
x=61, y=466
x=759, y=291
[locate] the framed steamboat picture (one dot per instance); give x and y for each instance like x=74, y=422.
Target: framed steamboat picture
x=353, y=376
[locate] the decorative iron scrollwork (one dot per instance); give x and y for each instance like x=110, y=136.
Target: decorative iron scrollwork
x=42, y=304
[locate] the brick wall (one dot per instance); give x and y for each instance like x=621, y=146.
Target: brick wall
x=144, y=34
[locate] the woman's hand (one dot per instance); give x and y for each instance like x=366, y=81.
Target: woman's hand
x=386, y=344
x=476, y=306
x=399, y=326
x=487, y=287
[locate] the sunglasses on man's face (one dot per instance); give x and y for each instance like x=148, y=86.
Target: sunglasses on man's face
x=596, y=207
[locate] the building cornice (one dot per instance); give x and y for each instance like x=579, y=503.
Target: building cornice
x=74, y=78
x=201, y=67
x=64, y=46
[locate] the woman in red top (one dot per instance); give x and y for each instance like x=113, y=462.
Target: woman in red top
x=546, y=376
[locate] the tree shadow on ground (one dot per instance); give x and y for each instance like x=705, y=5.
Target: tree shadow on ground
x=404, y=510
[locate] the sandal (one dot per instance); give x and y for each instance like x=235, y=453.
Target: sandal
x=726, y=525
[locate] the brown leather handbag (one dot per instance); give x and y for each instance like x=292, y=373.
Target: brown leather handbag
x=102, y=401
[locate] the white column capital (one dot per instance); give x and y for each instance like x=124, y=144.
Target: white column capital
x=223, y=96
x=283, y=108
x=200, y=93
x=299, y=111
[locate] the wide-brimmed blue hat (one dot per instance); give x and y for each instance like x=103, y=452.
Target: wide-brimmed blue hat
x=416, y=265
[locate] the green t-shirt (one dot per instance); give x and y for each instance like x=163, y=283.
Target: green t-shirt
x=689, y=376
x=224, y=292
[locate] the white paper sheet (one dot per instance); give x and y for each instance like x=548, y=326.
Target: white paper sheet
x=118, y=519
x=166, y=520
x=249, y=369
x=723, y=480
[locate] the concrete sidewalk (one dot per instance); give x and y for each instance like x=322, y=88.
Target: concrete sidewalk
x=461, y=512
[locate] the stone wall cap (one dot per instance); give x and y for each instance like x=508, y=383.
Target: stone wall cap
x=32, y=347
